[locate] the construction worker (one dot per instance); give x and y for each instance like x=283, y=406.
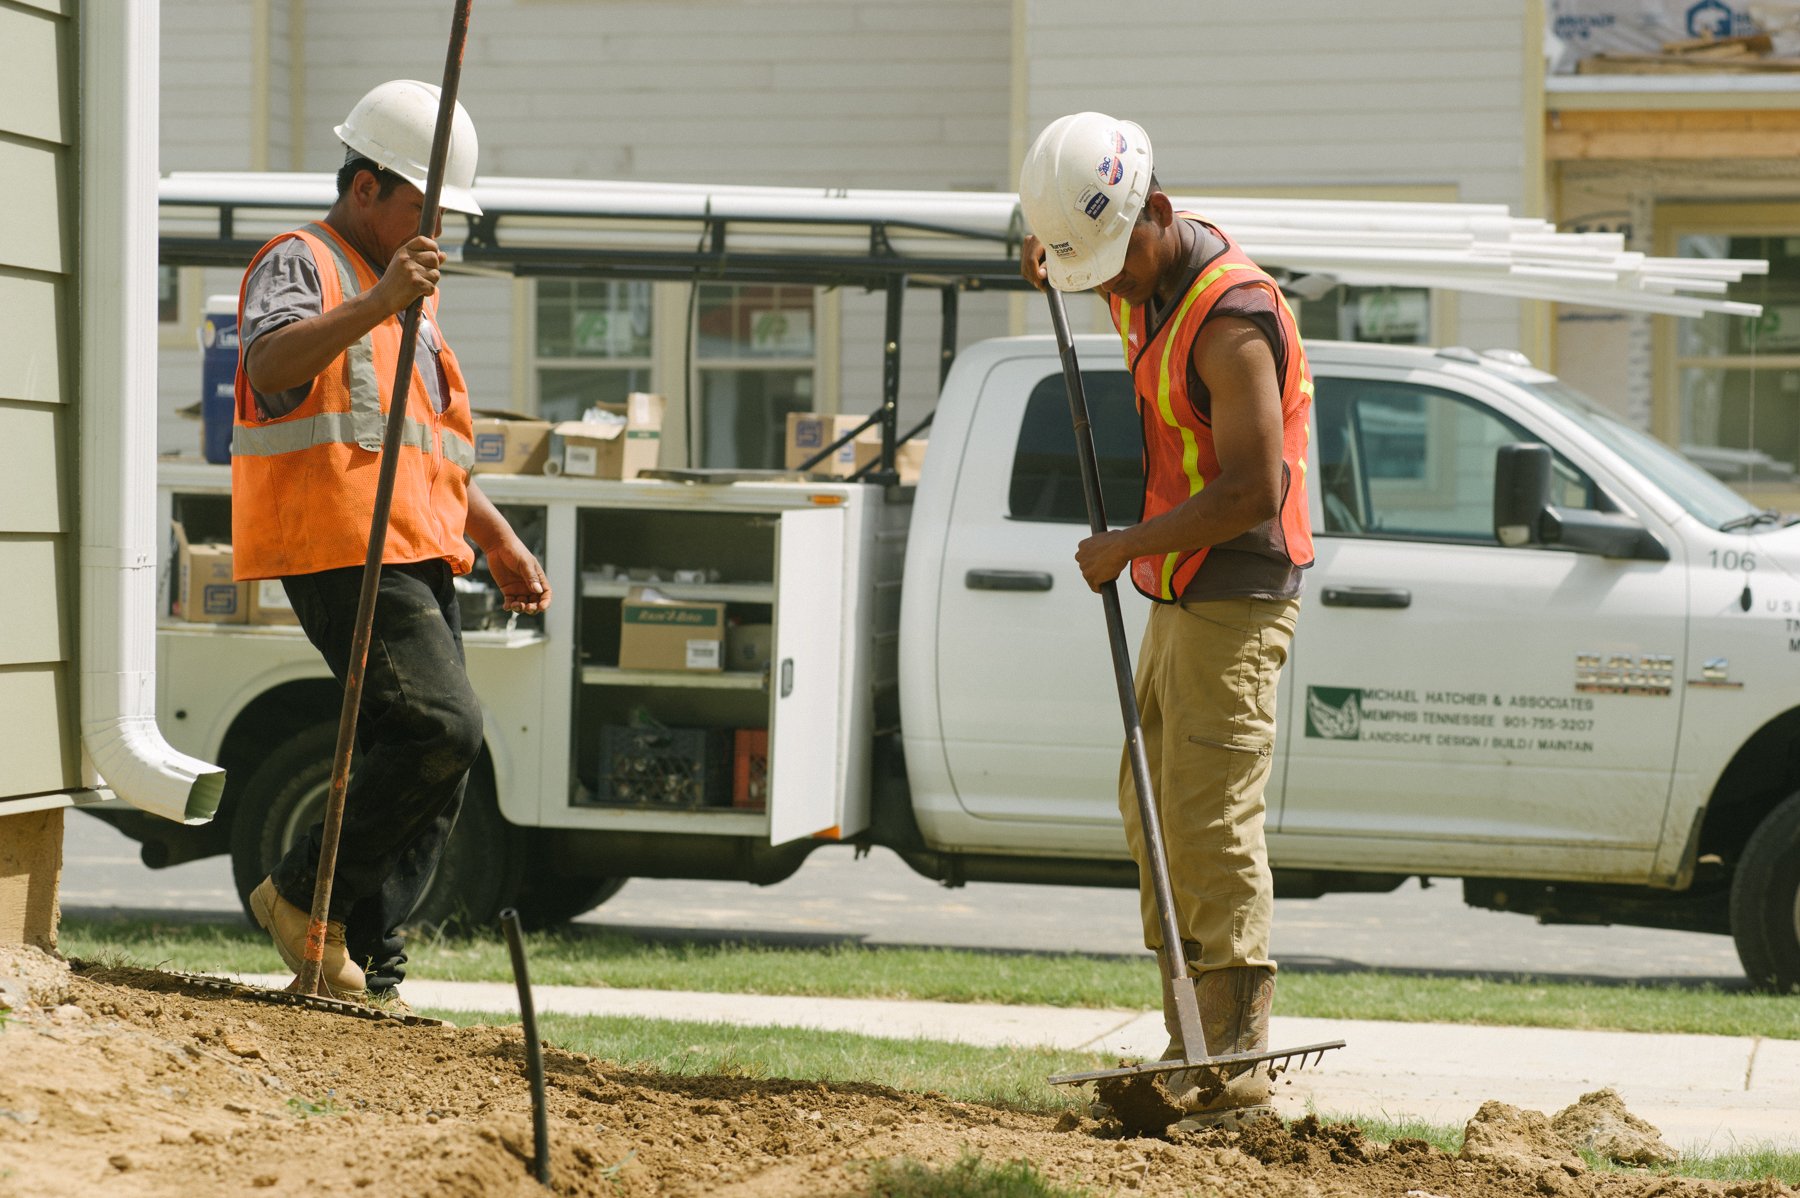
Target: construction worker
x=320, y=312
x=1223, y=392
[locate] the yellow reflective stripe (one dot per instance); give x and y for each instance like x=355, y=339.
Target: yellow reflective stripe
x=1125, y=330
x=1166, y=588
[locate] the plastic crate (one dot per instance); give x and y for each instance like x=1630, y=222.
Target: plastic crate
x=644, y=766
x=750, y=769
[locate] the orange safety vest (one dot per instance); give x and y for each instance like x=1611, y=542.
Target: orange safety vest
x=1179, y=456
x=303, y=484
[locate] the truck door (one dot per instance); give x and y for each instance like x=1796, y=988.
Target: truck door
x=1459, y=705
x=1029, y=712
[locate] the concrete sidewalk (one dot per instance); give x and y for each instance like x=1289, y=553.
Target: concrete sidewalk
x=1705, y=1093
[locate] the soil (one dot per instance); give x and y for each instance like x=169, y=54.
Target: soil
x=130, y=1082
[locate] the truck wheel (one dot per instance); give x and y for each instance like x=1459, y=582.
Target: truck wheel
x=286, y=796
x=548, y=898
x=1765, y=900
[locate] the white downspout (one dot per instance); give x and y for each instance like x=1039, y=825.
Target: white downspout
x=116, y=416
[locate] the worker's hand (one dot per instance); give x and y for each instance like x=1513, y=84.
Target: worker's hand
x=1031, y=262
x=411, y=273
x=524, y=588
x=1102, y=558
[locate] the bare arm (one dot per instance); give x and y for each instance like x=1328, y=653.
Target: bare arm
x=521, y=579
x=296, y=353
x=1238, y=367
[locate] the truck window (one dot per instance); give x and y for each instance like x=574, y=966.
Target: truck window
x=1046, y=477
x=1404, y=460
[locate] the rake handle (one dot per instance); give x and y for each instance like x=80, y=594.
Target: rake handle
x=310, y=980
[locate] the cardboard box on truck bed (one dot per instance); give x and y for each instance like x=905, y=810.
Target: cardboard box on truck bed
x=615, y=440
x=205, y=592
x=509, y=443
x=809, y=432
x=659, y=633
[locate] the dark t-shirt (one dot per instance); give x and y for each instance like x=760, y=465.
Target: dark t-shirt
x=285, y=288
x=1256, y=564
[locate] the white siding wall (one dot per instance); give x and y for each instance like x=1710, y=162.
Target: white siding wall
x=856, y=93
x=1307, y=92
x=38, y=81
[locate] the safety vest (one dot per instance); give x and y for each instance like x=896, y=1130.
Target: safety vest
x=303, y=484
x=1179, y=456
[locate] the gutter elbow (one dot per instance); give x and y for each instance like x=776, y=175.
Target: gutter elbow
x=138, y=765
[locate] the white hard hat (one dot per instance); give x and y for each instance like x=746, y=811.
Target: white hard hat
x=392, y=127
x=1084, y=181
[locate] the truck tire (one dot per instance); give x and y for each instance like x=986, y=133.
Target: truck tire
x=1765, y=900
x=549, y=898
x=286, y=795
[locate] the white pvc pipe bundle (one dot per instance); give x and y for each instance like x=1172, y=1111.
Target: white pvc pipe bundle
x=1457, y=247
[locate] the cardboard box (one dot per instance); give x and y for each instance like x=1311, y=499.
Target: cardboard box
x=510, y=443
x=621, y=449
x=269, y=603
x=659, y=633
x=809, y=432
x=205, y=592
x=749, y=646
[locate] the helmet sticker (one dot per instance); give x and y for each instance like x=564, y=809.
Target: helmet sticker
x=1111, y=169
x=1093, y=201
x=1119, y=145
x=1063, y=249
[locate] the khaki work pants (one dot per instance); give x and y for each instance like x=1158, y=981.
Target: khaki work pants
x=1206, y=679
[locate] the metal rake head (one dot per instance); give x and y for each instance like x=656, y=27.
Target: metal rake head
x=1279, y=1061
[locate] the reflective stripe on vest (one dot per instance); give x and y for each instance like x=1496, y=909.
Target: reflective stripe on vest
x=1190, y=448
x=1178, y=442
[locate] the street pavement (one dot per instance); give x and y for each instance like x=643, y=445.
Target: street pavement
x=1704, y=1093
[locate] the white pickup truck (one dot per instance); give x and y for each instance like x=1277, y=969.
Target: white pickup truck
x=1583, y=704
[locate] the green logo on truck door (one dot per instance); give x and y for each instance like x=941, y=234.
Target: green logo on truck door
x=1334, y=712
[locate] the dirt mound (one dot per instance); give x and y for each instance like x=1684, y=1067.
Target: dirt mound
x=137, y=1084
x=1601, y=1124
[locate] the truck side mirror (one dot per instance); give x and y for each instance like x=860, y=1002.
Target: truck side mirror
x=1521, y=493
x=1524, y=515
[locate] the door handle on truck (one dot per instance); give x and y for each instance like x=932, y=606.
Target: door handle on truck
x=1008, y=580
x=1368, y=597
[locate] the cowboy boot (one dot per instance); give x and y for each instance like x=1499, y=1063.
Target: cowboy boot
x=1234, y=1014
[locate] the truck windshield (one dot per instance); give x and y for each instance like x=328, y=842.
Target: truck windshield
x=1703, y=496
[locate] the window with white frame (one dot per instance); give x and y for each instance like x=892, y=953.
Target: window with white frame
x=755, y=355
x=594, y=343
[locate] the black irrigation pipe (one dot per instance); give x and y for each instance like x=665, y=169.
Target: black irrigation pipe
x=534, y=1053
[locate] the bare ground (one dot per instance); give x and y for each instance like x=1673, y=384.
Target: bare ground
x=129, y=1082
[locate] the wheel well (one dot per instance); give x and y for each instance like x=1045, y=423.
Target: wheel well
x=276, y=714
x=264, y=723
x=1764, y=771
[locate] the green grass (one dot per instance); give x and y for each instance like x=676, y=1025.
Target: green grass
x=1012, y=1077
x=597, y=956
x=970, y=1177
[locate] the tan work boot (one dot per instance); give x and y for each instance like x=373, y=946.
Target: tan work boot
x=1234, y=1015
x=1183, y=1085
x=286, y=925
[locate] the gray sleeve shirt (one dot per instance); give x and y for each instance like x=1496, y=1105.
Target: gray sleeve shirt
x=285, y=288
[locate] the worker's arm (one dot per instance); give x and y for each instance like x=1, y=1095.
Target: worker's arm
x=523, y=585
x=295, y=354
x=1238, y=367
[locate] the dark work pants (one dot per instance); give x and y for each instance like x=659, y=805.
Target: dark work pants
x=417, y=732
